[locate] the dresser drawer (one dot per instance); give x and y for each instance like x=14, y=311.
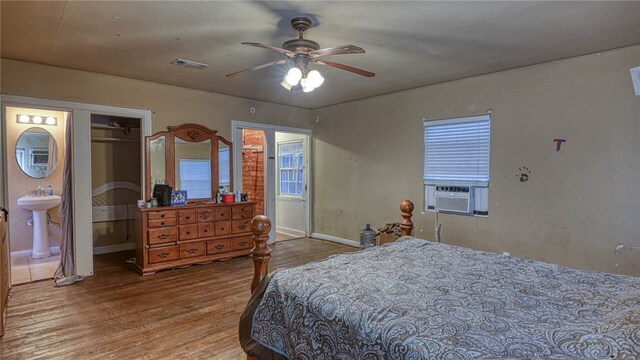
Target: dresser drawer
x=192, y=250
x=242, y=212
x=205, y=215
x=161, y=215
x=188, y=232
x=223, y=213
x=205, y=230
x=242, y=242
x=218, y=246
x=222, y=228
x=163, y=254
x=241, y=226
x=186, y=217
x=162, y=235
x=162, y=222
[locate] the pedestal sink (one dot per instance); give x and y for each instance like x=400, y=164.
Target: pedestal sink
x=39, y=206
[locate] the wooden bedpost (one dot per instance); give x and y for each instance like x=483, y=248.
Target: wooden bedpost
x=261, y=253
x=406, y=225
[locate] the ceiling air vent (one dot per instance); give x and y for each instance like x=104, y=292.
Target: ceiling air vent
x=189, y=64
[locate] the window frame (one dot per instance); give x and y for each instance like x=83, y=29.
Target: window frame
x=293, y=170
x=480, y=186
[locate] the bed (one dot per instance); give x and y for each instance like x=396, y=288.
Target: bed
x=415, y=299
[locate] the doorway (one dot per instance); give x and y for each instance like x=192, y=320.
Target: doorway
x=274, y=170
x=35, y=148
x=116, y=178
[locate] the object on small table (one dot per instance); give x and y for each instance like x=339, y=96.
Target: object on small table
x=389, y=233
x=179, y=197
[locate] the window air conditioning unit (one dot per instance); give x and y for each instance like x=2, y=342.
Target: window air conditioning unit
x=456, y=199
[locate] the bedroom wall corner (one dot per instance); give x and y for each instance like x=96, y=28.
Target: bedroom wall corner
x=579, y=205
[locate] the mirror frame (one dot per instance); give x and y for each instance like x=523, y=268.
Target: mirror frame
x=191, y=133
x=26, y=154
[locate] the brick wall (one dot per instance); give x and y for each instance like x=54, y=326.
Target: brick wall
x=253, y=167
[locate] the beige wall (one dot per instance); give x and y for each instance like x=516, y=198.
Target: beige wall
x=171, y=105
x=579, y=204
x=19, y=184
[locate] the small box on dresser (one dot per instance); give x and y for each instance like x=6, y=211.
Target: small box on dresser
x=179, y=236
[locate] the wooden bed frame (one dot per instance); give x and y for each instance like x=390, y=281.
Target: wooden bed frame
x=261, y=253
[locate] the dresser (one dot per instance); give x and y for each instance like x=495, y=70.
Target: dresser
x=179, y=236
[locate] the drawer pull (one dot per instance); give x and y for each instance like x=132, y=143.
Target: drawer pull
x=188, y=217
x=242, y=243
x=206, y=230
x=221, y=229
x=243, y=226
x=163, y=236
x=222, y=214
x=161, y=215
x=192, y=251
x=188, y=232
x=163, y=255
x=162, y=223
x=220, y=247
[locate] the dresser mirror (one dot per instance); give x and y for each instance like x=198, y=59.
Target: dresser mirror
x=189, y=157
x=37, y=153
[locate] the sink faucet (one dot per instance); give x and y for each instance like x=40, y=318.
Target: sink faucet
x=39, y=191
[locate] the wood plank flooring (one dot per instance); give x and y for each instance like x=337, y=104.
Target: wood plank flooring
x=189, y=313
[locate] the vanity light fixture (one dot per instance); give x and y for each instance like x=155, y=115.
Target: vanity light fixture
x=36, y=119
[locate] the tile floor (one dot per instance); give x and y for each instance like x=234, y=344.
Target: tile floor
x=26, y=269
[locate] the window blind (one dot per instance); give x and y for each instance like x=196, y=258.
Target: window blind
x=457, y=150
x=223, y=167
x=195, y=177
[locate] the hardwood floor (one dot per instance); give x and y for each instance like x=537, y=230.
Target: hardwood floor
x=189, y=313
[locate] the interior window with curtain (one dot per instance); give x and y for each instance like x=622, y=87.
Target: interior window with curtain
x=290, y=168
x=192, y=180
x=456, y=153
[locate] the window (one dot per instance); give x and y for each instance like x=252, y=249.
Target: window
x=195, y=177
x=290, y=167
x=456, y=153
x=224, y=181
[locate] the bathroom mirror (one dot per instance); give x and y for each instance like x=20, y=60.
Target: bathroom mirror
x=37, y=152
x=189, y=157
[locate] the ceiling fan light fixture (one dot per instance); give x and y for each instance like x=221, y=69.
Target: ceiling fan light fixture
x=293, y=76
x=315, y=78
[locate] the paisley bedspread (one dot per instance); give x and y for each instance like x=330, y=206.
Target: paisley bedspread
x=415, y=299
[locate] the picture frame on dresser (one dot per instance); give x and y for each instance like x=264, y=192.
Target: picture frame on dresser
x=179, y=197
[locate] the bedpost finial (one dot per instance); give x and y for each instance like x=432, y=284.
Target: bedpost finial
x=406, y=225
x=260, y=225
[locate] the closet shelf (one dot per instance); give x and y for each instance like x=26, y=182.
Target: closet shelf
x=106, y=127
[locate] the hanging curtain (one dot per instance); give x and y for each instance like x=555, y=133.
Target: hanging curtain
x=53, y=155
x=66, y=272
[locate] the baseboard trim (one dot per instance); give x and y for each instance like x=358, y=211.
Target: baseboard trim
x=113, y=248
x=335, y=239
x=55, y=250
x=290, y=232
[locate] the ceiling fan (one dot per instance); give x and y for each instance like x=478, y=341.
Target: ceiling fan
x=301, y=52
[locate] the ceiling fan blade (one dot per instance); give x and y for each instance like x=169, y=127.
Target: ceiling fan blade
x=277, y=62
x=344, y=67
x=336, y=50
x=287, y=53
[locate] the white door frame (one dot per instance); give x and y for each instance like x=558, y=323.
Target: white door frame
x=81, y=174
x=270, y=167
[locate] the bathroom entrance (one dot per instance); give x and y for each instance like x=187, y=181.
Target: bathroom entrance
x=35, y=148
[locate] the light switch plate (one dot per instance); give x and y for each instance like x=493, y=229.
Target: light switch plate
x=635, y=77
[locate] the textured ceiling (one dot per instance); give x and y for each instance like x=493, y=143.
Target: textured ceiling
x=408, y=44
